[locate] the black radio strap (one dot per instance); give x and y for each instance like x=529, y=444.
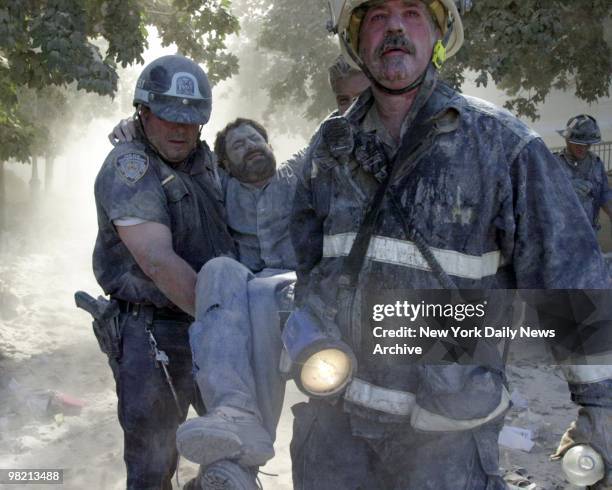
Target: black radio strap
x=407, y=157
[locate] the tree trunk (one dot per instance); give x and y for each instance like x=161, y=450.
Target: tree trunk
x=608, y=31
x=34, y=180
x=2, y=198
x=49, y=162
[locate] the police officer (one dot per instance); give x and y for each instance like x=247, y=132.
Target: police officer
x=584, y=168
x=160, y=218
x=474, y=200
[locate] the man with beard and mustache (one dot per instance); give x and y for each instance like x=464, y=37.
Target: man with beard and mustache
x=257, y=195
x=235, y=339
x=418, y=187
x=236, y=336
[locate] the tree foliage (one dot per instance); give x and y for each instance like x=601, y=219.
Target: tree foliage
x=295, y=50
x=81, y=42
x=297, y=30
x=527, y=47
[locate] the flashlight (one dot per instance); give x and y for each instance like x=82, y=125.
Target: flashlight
x=321, y=365
x=583, y=466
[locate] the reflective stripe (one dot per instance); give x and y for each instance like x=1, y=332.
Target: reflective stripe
x=425, y=420
x=599, y=368
x=378, y=398
x=397, y=402
x=406, y=253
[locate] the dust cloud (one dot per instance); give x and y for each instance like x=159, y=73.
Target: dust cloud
x=46, y=343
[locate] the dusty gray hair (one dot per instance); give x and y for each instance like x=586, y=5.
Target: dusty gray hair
x=340, y=70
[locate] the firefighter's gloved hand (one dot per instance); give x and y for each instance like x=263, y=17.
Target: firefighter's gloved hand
x=582, y=187
x=594, y=428
x=123, y=132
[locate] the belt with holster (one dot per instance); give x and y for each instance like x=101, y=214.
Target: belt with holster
x=155, y=313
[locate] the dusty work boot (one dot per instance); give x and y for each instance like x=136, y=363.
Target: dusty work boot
x=227, y=475
x=226, y=433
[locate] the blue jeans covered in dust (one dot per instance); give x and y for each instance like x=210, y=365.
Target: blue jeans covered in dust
x=147, y=411
x=236, y=339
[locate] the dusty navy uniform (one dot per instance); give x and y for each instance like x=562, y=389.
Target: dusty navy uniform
x=590, y=182
x=494, y=207
x=134, y=182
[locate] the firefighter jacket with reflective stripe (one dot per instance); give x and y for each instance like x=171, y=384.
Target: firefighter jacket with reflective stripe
x=486, y=196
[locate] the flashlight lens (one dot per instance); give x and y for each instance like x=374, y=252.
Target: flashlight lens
x=583, y=466
x=325, y=372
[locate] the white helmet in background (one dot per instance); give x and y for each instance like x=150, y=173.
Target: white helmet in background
x=346, y=18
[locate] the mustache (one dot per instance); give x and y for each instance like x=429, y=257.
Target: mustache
x=395, y=41
x=253, y=152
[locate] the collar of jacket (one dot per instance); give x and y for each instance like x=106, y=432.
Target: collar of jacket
x=572, y=161
x=434, y=97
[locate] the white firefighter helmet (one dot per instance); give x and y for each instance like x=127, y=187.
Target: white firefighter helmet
x=347, y=25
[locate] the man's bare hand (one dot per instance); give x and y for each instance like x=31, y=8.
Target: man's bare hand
x=124, y=132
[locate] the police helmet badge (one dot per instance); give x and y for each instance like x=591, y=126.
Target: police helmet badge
x=185, y=86
x=132, y=166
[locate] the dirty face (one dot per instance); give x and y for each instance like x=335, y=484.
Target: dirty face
x=348, y=89
x=577, y=152
x=250, y=157
x=174, y=141
x=396, y=41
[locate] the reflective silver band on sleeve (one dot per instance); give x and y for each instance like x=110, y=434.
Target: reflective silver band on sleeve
x=378, y=398
x=405, y=253
x=398, y=402
x=425, y=420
